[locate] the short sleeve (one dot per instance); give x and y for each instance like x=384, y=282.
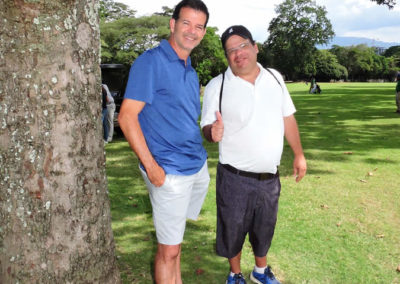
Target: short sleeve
x=210, y=101
x=288, y=107
x=140, y=84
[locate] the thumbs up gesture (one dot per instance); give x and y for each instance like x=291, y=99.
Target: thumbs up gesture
x=217, y=128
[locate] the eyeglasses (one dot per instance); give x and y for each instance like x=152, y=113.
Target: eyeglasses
x=243, y=45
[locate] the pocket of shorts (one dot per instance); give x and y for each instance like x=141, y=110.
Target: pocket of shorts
x=148, y=180
x=166, y=181
x=169, y=184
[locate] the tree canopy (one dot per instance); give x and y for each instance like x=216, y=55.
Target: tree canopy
x=299, y=26
x=208, y=57
x=328, y=68
x=110, y=10
x=389, y=3
x=123, y=40
x=394, y=53
x=362, y=63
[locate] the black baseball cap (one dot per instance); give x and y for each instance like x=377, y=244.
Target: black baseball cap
x=236, y=30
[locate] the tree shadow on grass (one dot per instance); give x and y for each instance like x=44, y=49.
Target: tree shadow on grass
x=345, y=119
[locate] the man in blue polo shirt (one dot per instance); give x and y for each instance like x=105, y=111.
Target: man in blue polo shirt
x=159, y=119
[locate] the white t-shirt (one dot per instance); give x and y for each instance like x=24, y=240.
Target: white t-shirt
x=253, y=119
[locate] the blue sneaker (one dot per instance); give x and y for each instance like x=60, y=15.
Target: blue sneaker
x=267, y=278
x=236, y=279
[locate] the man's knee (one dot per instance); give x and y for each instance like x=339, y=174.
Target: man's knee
x=168, y=252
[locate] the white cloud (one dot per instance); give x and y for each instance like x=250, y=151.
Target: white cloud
x=380, y=34
x=349, y=17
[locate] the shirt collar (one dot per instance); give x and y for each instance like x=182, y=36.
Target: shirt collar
x=230, y=74
x=171, y=54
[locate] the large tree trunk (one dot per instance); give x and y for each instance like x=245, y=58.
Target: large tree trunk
x=54, y=208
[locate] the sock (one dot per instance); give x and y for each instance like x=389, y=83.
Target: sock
x=259, y=269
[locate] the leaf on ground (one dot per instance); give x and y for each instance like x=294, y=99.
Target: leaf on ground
x=199, y=271
x=339, y=224
x=380, y=236
x=363, y=180
x=370, y=174
x=348, y=153
x=398, y=268
x=324, y=206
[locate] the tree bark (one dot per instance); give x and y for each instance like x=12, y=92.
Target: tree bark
x=55, y=224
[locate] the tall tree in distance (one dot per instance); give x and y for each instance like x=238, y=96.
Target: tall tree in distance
x=55, y=223
x=167, y=12
x=110, y=10
x=299, y=26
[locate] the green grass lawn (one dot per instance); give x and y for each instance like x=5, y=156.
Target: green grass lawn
x=340, y=224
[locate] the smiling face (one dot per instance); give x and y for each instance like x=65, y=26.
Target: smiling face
x=187, y=31
x=241, y=55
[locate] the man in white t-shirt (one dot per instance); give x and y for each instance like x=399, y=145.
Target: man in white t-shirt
x=248, y=110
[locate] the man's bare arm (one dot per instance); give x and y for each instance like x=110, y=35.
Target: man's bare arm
x=292, y=135
x=128, y=119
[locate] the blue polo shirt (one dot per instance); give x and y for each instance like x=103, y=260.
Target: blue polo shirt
x=168, y=120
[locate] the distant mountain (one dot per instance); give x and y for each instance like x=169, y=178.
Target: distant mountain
x=348, y=41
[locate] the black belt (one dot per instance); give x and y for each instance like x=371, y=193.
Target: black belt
x=259, y=176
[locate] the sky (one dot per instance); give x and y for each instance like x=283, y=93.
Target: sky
x=354, y=18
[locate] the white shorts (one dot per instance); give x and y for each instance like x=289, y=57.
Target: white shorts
x=179, y=198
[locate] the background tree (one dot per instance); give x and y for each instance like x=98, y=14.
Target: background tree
x=264, y=55
x=55, y=224
x=394, y=53
x=167, y=12
x=328, y=67
x=299, y=26
x=363, y=63
x=123, y=40
x=208, y=58
x=110, y=10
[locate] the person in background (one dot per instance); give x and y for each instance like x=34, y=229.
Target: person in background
x=248, y=110
x=159, y=119
x=398, y=93
x=104, y=113
x=314, y=88
x=312, y=85
x=110, y=113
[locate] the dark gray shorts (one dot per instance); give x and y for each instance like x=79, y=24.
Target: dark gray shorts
x=245, y=205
